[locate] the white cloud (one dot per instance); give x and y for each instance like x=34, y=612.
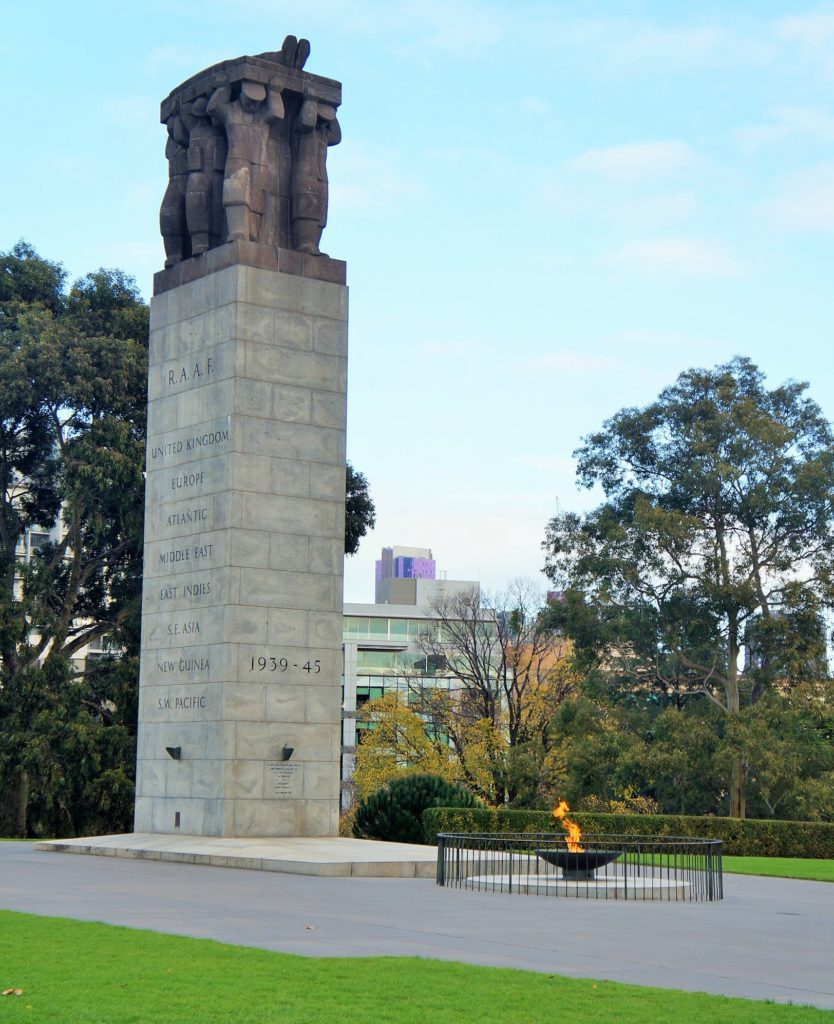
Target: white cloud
x=463, y=544
x=636, y=161
x=806, y=201
x=630, y=206
x=462, y=27
x=690, y=256
x=177, y=59
x=813, y=35
x=139, y=112
x=549, y=463
x=655, y=210
x=790, y=123
x=626, y=184
x=441, y=351
x=526, y=106
x=689, y=45
x=371, y=179
x=640, y=46
x=571, y=361
x=494, y=160
x=814, y=30
x=650, y=338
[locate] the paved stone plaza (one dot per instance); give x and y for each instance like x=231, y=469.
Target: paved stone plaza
x=297, y=855
x=768, y=939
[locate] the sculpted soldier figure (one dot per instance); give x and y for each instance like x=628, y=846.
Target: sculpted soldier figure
x=206, y=159
x=172, y=221
x=314, y=129
x=294, y=52
x=247, y=158
x=247, y=119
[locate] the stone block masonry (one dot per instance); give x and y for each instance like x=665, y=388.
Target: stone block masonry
x=244, y=541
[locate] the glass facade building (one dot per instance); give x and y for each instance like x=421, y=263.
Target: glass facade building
x=381, y=656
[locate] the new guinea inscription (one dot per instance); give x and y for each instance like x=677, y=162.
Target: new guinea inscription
x=165, y=666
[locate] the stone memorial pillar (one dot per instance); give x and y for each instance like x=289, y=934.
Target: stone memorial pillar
x=240, y=691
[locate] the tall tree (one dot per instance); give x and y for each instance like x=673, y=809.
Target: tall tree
x=73, y=372
x=510, y=672
x=360, y=512
x=717, y=529
x=395, y=742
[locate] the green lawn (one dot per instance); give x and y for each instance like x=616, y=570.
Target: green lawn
x=782, y=867
x=73, y=972
x=773, y=867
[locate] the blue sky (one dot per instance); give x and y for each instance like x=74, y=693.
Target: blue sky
x=548, y=211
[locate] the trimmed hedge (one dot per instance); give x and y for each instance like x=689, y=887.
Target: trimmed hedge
x=744, y=837
x=394, y=813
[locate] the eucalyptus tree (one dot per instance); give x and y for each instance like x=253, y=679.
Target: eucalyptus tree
x=73, y=378
x=73, y=366
x=712, y=551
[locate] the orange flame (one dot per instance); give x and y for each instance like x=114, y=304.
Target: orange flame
x=574, y=832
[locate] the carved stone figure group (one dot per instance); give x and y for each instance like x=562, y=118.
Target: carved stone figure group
x=247, y=162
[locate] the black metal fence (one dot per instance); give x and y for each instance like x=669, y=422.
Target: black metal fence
x=604, y=867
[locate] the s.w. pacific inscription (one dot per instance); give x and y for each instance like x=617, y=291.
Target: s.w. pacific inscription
x=180, y=703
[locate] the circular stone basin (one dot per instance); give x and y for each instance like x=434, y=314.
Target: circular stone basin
x=576, y=865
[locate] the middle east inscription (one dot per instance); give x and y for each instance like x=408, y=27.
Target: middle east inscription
x=244, y=535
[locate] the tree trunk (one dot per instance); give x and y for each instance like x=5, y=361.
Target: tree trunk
x=20, y=810
x=738, y=789
x=738, y=778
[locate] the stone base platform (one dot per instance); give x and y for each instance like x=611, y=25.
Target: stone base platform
x=601, y=888
x=359, y=858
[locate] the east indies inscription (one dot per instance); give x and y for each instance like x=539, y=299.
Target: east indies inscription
x=194, y=591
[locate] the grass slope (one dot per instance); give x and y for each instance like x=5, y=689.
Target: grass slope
x=782, y=867
x=73, y=972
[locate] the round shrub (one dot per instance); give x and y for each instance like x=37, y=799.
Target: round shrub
x=394, y=813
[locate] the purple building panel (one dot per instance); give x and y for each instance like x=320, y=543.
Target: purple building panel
x=404, y=567
x=423, y=568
